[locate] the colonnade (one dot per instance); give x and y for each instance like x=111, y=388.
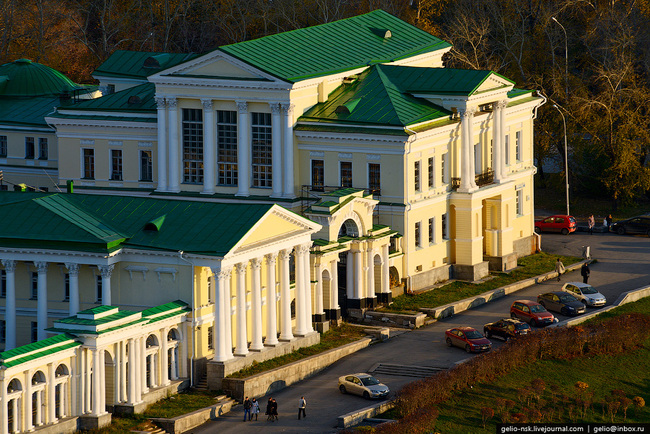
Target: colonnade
x=170, y=147
x=361, y=260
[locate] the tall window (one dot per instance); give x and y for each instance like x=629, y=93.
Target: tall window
x=211, y=338
x=29, y=147
x=374, y=178
x=43, y=151
x=116, y=164
x=507, y=149
x=89, y=163
x=520, y=202
x=518, y=145
x=146, y=166
x=34, y=295
x=416, y=175
x=262, y=150
x=431, y=174
x=227, y=147
x=66, y=287
x=346, y=174
x=3, y=284
x=445, y=233
x=443, y=171
x=432, y=230
x=34, y=331
x=98, y=288
x=3, y=331
x=317, y=174
x=418, y=241
x=3, y=146
x=192, y=146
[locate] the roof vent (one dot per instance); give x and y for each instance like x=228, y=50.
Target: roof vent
x=382, y=33
x=135, y=99
x=156, y=61
x=350, y=79
x=155, y=224
x=348, y=107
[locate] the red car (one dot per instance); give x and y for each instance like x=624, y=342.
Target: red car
x=531, y=312
x=565, y=224
x=470, y=339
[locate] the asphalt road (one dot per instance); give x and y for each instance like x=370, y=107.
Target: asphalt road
x=622, y=265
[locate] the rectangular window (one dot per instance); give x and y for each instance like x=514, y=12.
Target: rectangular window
x=491, y=156
x=210, y=288
x=418, y=241
x=431, y=172
x=146, y=166
x=3, y=331
x=34, y=331
x=227, y=147
x=445, y=234
x=432, y=230
x=98, y=288
x=116, y=164
x=29, y=148
x=3, y=284
x=34, y=295
x=520, y=202
x=346, y=174
x=262, y=150
x=507, y=149
x=3, y=146
x=192, y=146
x=374, y=178
x=211, y=338
x=66, y=287
x=518, y=145
x=43, y=151
x=443, y=171
x=317, y=174
x=89, y=163
x=416, y=175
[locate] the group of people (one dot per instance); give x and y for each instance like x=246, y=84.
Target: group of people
x=584, y=270
x=252, y=408
x=591, y=222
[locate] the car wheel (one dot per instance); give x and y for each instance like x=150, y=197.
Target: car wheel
x=585, y=303
x=620, y=230
x=565, y=231
x=468, y=348
x=366, y=395
x=342, y=389
x=532, y=322
x=448, y=342
x=563, y=311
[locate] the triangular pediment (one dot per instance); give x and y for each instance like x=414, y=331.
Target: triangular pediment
x=492, y=83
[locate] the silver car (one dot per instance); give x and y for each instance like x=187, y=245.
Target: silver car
x=585, y=293
x=363, y=384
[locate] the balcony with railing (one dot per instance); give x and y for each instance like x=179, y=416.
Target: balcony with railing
x=481, y=179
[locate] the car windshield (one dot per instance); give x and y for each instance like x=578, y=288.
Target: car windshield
x=588, y=290
x=567, y=298
x=537, y=308
x=473, y=335
x=369, y=381
x=572, y=219
x=522, y=326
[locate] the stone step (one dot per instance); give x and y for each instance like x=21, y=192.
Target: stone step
x=405, y=370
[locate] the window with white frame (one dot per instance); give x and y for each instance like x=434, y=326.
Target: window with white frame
x=192, y=146
x=507, y=149
x=146, y=166
x=43, y=151
x=88, y=163
x=374, y=178
x=346, y=174
x=431, y=165
x=520, y=202
x=417, y=234
x=227, y=147
x=445, y=227
x=3, y=146
x=29, y=148
x=98, y=288
x=317, y=175
x=432, y=230
x=211, y=338
x=262, y=150
x=416, y=175
x=518, y=145
x=443, y=171
x=116, y=164
x=210, y=288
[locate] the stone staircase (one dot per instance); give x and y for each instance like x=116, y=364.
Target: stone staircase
x=405, y=370
x=202, y=384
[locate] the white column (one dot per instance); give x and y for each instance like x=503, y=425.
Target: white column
x=73, y=272
x=349, y=275
x=277, y=149
x=271, y=300
x=124, y=370
x=358, y=274
x=28, y=402
x=173, y=363
x=119, y=380
x=162, y=144
x=227, y=300
x=285, y=296
x=256, y=298
x=14, y=411
x=132, y=367
x=243, y=149
x=370, y=285
x=10, y=305
x=173, y=146
x=242, y=336
x=78, y=395
x=472, y=157
x=137, y=368
x=219, y=296
x=106, y=271
x=89, y=384
x=385, y=275
x=143, y=365
x=164, y=360
x=301, y=326
x=334, y=284
x=288, y=169
x=209, y=159
x=500, y=124
x=102, y=381
x=42, y=299
x=318, y=296
x=51, y=401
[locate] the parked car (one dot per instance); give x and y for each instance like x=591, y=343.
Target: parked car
x=562, y=302
x=363, y=384
x=585, y=293
x=506, y=329
x=634, y=225
x=468, y=338
x=565, y=224
x=532, y=313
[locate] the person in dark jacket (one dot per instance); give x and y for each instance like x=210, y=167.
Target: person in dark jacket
x=269, y=410
x=274, y=409
x=247, y=408
x=584, y=272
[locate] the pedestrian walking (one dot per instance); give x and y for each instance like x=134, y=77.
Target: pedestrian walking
x=247, y=408
x=255, y=408
x=269, y=410
x=274, y=409
x=559, y=268
x=591, y=222
x=585, y=271
x=302, y=404
x=609, y=221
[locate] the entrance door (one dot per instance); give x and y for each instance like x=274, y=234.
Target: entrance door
x=343, y=283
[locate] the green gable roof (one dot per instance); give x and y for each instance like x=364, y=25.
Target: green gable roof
x=139, y=64
x=335, y=47
x=27, y=112
x=136, y=99
x=38, y=349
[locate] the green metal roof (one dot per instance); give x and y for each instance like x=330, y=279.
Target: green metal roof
x=177, y=307
x=139, y=64
x=102, y=223
x=38, y=349
x=26, y=112
x=25, y=78
x=335, y=47
x=136, y=99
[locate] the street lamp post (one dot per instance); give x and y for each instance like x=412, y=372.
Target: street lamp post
x=566, y=58
x=566, y=160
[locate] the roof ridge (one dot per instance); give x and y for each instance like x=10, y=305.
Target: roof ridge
x=387, y=82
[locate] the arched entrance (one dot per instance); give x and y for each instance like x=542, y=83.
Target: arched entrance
x=38, y=398
x=61, y=376
x=152, y=361
x=327, y=292
x=173, y=341
x=14, y=405
x=343, y=285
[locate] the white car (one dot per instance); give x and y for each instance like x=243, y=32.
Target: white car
x=585, y=293
x=363, y=384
